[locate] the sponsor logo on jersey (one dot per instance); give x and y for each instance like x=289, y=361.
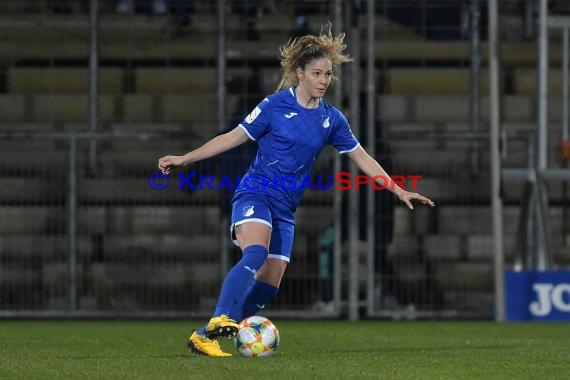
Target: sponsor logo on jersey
x=326, y=123
x=290, y=115
x=253, y=115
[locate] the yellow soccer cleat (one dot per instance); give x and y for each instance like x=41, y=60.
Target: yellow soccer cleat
x=221, y=326
x=202, y=345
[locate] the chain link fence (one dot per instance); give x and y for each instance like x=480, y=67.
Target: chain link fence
x=141, y=250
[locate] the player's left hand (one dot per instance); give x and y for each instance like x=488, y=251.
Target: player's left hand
x=407, y=197
x=167, y=163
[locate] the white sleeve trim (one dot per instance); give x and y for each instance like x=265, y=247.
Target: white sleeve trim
x=246, y=132
x=349, y=150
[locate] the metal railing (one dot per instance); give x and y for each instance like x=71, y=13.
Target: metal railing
x=72, y=308
x=377, y=56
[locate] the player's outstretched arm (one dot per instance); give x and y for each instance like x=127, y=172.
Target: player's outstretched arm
x=373, y=169
x=215, y=146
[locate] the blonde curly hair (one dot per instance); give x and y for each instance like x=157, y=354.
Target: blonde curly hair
x=301, y=51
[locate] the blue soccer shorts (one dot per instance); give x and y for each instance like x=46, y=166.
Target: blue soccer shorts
x=257, y=208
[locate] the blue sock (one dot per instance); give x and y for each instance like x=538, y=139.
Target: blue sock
x=237, y=281
x=254, y=299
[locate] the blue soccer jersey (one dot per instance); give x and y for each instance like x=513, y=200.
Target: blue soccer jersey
x=290, y=139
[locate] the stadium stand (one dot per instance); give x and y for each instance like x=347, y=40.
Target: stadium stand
x=151, y=81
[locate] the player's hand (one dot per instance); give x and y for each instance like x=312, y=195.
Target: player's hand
x=407, y=197
x=166, y=163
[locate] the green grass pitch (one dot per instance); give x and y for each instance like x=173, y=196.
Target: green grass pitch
x=308, y=350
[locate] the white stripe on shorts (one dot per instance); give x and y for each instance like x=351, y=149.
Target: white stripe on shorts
x=259, y=220
x=279, y=257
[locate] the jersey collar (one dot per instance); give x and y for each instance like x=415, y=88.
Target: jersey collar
x=297, y=105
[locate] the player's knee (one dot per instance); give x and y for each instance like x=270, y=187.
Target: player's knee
x=271, y=280
x=271, y=272
x=255, y=256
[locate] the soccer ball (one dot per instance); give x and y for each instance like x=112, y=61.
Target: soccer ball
x=257, y=337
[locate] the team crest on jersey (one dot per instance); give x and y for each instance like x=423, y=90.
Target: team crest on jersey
x=248, y=211
x=326, y=123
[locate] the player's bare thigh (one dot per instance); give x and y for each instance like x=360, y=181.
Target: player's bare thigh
x=253, y=233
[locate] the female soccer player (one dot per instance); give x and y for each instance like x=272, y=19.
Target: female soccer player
x=292, y=126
